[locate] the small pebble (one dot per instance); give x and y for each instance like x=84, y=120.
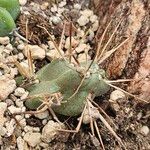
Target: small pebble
x=55, y=20
x=50, y=131
x=7, y=86
x=22, y=2
x=117, y=95
x=36, y=51
x=20, y=143
x=19, y=91
x=144, y=130
x=77, y=6
x=32, y=138
x=42, y=115
x=4, y=40
x=83, y=20
x=87, y=13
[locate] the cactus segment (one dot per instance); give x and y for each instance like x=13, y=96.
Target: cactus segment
x=7, y=23
x=58, y=76
x=12, y=6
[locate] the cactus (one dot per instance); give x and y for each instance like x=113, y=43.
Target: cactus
x=60, y=74
x=9, y=11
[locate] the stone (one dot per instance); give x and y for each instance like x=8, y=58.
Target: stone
x=82, y=47
x=50, y=131
x=144, y=130
x=82, y=57
x=36, y=51
x=42, y=115
x=3, y=107
x=4, y=40
x=10, y=126
x=20, y=143
x=73, y=43
x=7, y=86
x=13, y=109
x=19, y=91
x=82, y=21
x=117, y=95
x=55, y=20
x=22, y=2
x=32, y=138
x=77, y=6
x=87, y=13
x=93, y=18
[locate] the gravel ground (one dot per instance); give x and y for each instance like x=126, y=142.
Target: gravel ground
x=26, y=131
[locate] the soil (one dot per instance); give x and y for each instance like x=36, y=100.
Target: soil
x=131, y=115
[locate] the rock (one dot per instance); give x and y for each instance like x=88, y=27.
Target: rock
x=117, y=95
x=77, y=6
x=73, y=43
x=87, y=13
x=7, y=86
x=82, y=47
x=14, y=109
x=53, y=54
x=22, y=2
x=42, y=115
x=44, y=6
x=82, y=57
x=55, y=20
x=95, y=26
x=3, y=107
x=50, y=131
x=36, y=51
x=144, y=130
x=32, y=138
x=62, y=4
x=4, y=40
x=19, y=91
x=20, y=143
x=82, y=21
x=93, y=18
x=10, y=126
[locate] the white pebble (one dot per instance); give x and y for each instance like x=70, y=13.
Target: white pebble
x=32, y=138
x=82, y=47
x=10, y=126
x=54, y=8
x=50, y=131
x=87, y=13
x=19, y=91
x=93, y=18
x=42, y=115
x=144, y=130
x=20, y=143
x=4, y=40
x=83, y=20
x=55, y=20
x=83, y=57
x=22, y=2
x=7, y=86
x=77, y=6
x=36, y=51
x=73, y=44
x=95, y=26
x=117, y=95
x=14, y=109
x=21, y=46
x=62, y=4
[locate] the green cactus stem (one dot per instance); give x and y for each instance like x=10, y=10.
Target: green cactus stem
x=7, y=23
x=12, y=6
x=9, y=11
x=58, y=76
